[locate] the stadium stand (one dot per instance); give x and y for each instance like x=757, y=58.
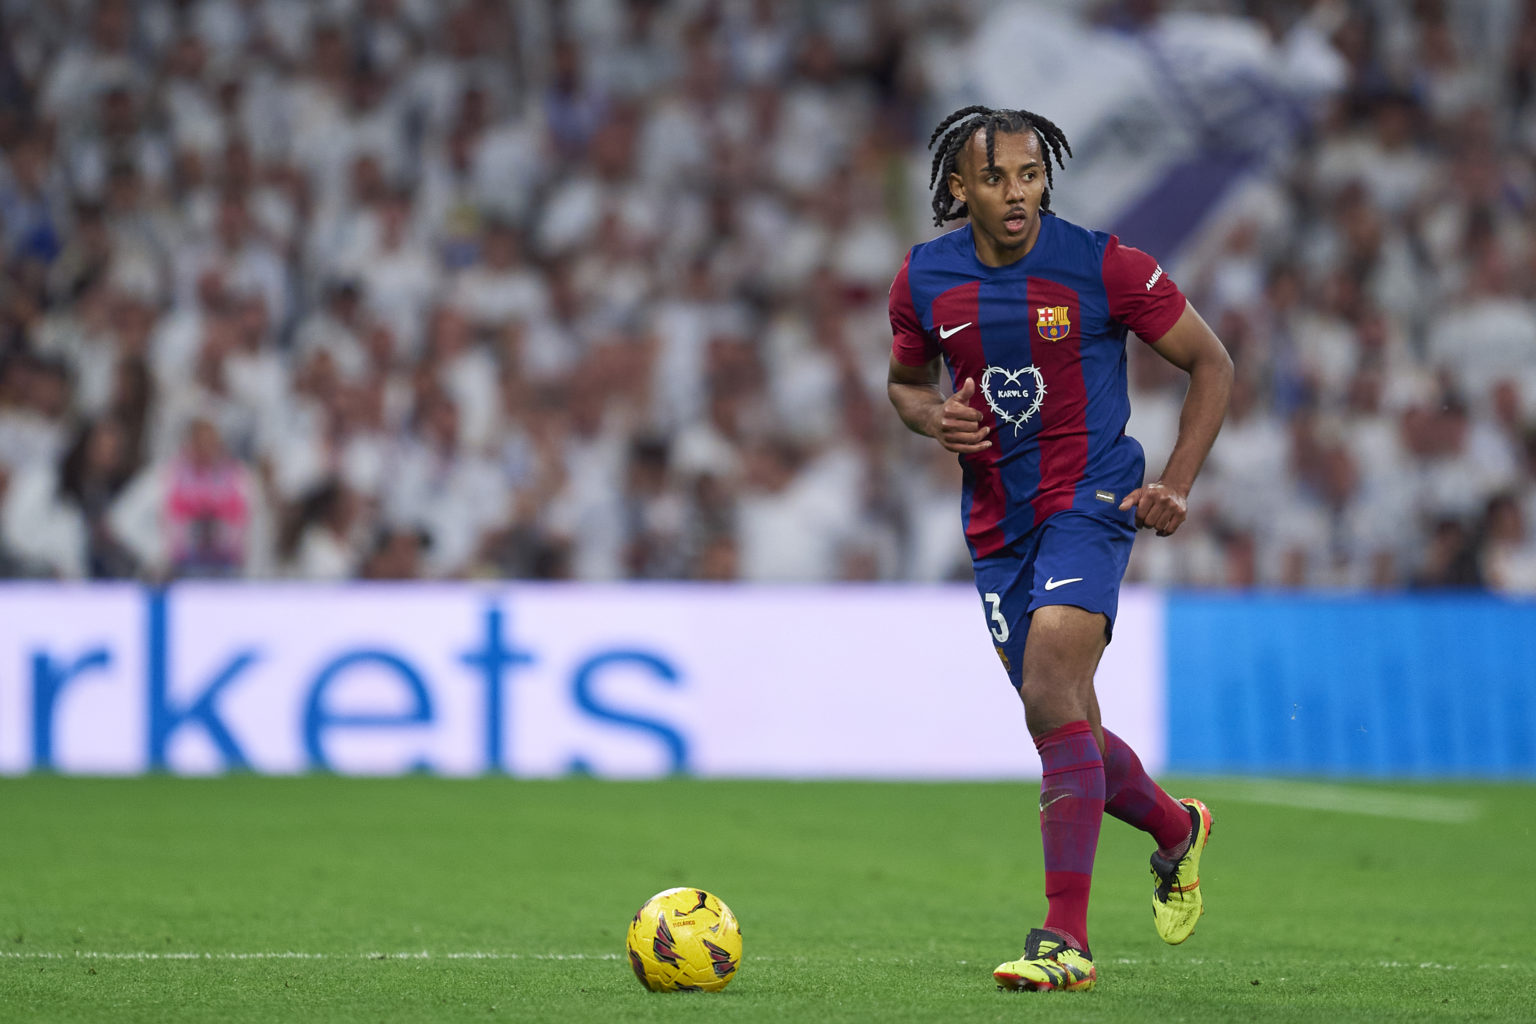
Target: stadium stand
x=405, y=289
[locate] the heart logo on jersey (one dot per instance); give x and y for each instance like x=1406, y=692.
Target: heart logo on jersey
x=1014, y=396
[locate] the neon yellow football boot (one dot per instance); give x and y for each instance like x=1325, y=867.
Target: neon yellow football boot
x=1048, y=963
x=1176, y=900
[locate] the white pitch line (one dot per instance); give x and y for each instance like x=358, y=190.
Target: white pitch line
x=487, y=955
x=1313, y=796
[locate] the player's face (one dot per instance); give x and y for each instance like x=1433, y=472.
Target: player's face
x=1003, y=197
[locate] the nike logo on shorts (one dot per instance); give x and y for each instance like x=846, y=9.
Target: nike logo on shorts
x=945, y=332
x=1053, y=583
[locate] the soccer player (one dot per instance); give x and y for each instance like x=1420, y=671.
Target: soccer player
x=1029, y=313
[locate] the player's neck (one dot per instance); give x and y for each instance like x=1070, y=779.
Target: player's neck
x=991, y=254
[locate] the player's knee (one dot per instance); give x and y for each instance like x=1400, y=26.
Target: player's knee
x=1049, y=693
x=1054, y=693
x=1049, y=714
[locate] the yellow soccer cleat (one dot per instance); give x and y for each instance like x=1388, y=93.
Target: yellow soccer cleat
x=1048, y=963
x=1176, y=900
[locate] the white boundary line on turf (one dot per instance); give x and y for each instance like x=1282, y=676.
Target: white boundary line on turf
x=1317, y=796
x=426, y=955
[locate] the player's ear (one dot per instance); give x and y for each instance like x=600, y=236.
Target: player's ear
x=957, y=187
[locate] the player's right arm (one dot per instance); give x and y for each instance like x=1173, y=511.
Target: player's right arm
x=914, y=391
x=913, y=381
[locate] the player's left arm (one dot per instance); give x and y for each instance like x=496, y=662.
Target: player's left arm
x=1193, y=347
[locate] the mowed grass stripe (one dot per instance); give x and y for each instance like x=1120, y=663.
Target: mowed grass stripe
x=423, y=955
x=1354, y=800
x=251, y=899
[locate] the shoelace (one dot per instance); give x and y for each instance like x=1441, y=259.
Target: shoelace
x=1039, y=938
x=1165, y=881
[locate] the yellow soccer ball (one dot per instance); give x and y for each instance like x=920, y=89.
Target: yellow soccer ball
x=684, y=940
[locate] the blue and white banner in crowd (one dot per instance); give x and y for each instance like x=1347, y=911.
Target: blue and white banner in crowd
x=1167, y=120
x=533, y=680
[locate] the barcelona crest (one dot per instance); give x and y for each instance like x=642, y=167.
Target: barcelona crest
x=1052, y=322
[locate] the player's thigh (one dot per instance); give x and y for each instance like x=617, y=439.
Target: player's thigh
x=1065, y=645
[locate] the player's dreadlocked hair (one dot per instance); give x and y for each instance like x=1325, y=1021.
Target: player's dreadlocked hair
x=964, y=123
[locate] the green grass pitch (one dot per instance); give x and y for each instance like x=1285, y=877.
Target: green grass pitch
x=329, y=899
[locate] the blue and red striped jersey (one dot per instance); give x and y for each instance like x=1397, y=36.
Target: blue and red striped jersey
x=1044, y=339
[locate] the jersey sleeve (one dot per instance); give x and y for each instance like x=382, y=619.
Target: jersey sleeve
x=1141, y=295
x=910, y=344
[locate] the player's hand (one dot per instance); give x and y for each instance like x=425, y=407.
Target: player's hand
x=960, y=429
x=1158, y=507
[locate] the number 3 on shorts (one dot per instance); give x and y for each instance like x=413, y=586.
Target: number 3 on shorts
x=995, y=613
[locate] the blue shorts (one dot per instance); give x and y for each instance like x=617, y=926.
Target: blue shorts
x=1075, y=558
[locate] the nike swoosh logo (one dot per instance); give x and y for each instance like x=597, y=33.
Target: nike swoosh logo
x=945, y=332
x=1053, y=583
x=1046, y=803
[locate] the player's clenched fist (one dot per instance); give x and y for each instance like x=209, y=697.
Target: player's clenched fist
x=1158, y=507
x=960, y=429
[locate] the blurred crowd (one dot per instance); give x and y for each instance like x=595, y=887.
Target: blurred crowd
x=396, y=289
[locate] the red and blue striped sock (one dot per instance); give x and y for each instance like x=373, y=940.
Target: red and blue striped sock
x=1071, y=811
x=1135, y=799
